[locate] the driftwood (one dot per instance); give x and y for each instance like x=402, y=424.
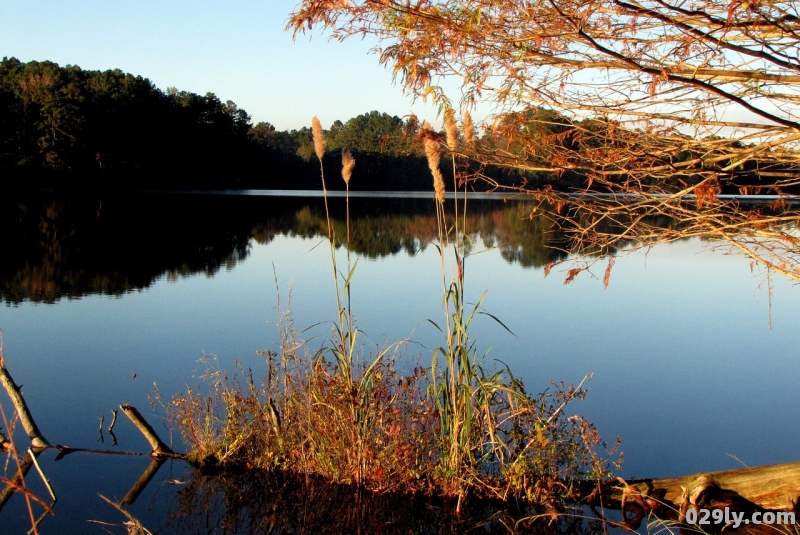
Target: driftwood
x=771, y=488
x=39, y=444
x=15, y=393
x=159, y=448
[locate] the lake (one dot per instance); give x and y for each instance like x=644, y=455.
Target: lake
x=694, y=364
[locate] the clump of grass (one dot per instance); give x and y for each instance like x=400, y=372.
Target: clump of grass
x=451, y=428
x=305, y=417
x=299, y=420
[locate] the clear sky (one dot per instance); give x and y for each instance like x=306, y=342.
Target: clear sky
x=236, y=49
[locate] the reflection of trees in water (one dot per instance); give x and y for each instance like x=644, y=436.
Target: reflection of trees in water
x=58, y=246
x=531, y=241
x=257, y=503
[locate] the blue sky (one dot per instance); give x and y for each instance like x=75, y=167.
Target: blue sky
x=237, y=49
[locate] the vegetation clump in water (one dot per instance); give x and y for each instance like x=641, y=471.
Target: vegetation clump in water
x=451, y=429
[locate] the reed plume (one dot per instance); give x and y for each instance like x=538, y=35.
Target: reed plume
x=348, y=163
x=451, y=129
x=432, y=152
x=319, y=137
x=469, y=130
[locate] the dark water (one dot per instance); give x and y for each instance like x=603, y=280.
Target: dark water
x=105, y=297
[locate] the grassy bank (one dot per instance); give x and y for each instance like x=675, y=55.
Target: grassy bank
x=448, y=428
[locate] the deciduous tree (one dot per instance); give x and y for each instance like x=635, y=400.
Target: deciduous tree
x=667, y=102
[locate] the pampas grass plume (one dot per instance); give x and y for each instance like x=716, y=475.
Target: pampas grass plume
x=433, y=154
x=469, y=130
x=451, y=129
x=348, y=162
x=319, y=137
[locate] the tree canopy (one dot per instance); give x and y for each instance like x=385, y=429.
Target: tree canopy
x=668, y=78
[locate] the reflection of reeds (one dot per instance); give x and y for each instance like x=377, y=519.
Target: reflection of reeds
x=251, y=501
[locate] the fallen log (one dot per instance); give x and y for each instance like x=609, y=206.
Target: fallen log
x=773, y=487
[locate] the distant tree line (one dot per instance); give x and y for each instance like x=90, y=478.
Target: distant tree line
x=65, y=126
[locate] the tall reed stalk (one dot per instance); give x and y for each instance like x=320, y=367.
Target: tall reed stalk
x=342, y=347
x=465, y=396
x=453, y=394
x=359, y=385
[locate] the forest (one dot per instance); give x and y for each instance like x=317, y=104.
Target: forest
x=65, y=126
x=69, y=127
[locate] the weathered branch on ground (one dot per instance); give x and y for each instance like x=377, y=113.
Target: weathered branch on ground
x=41, y=474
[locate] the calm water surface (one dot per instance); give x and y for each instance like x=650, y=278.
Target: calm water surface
x=103, y=298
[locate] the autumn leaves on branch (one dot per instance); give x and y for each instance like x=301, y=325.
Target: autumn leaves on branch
x=660, y=106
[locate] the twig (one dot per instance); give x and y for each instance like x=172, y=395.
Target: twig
x=41, y=474
x=131, y=520
x=113, y=421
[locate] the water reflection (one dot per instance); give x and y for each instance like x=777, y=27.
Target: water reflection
x=257, y=503
x=67, y=247
x=57, y=247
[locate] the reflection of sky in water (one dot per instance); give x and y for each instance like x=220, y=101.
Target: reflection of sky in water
x=686, y=369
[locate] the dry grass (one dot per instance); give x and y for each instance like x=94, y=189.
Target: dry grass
x=305, y=418
x=450, y=428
